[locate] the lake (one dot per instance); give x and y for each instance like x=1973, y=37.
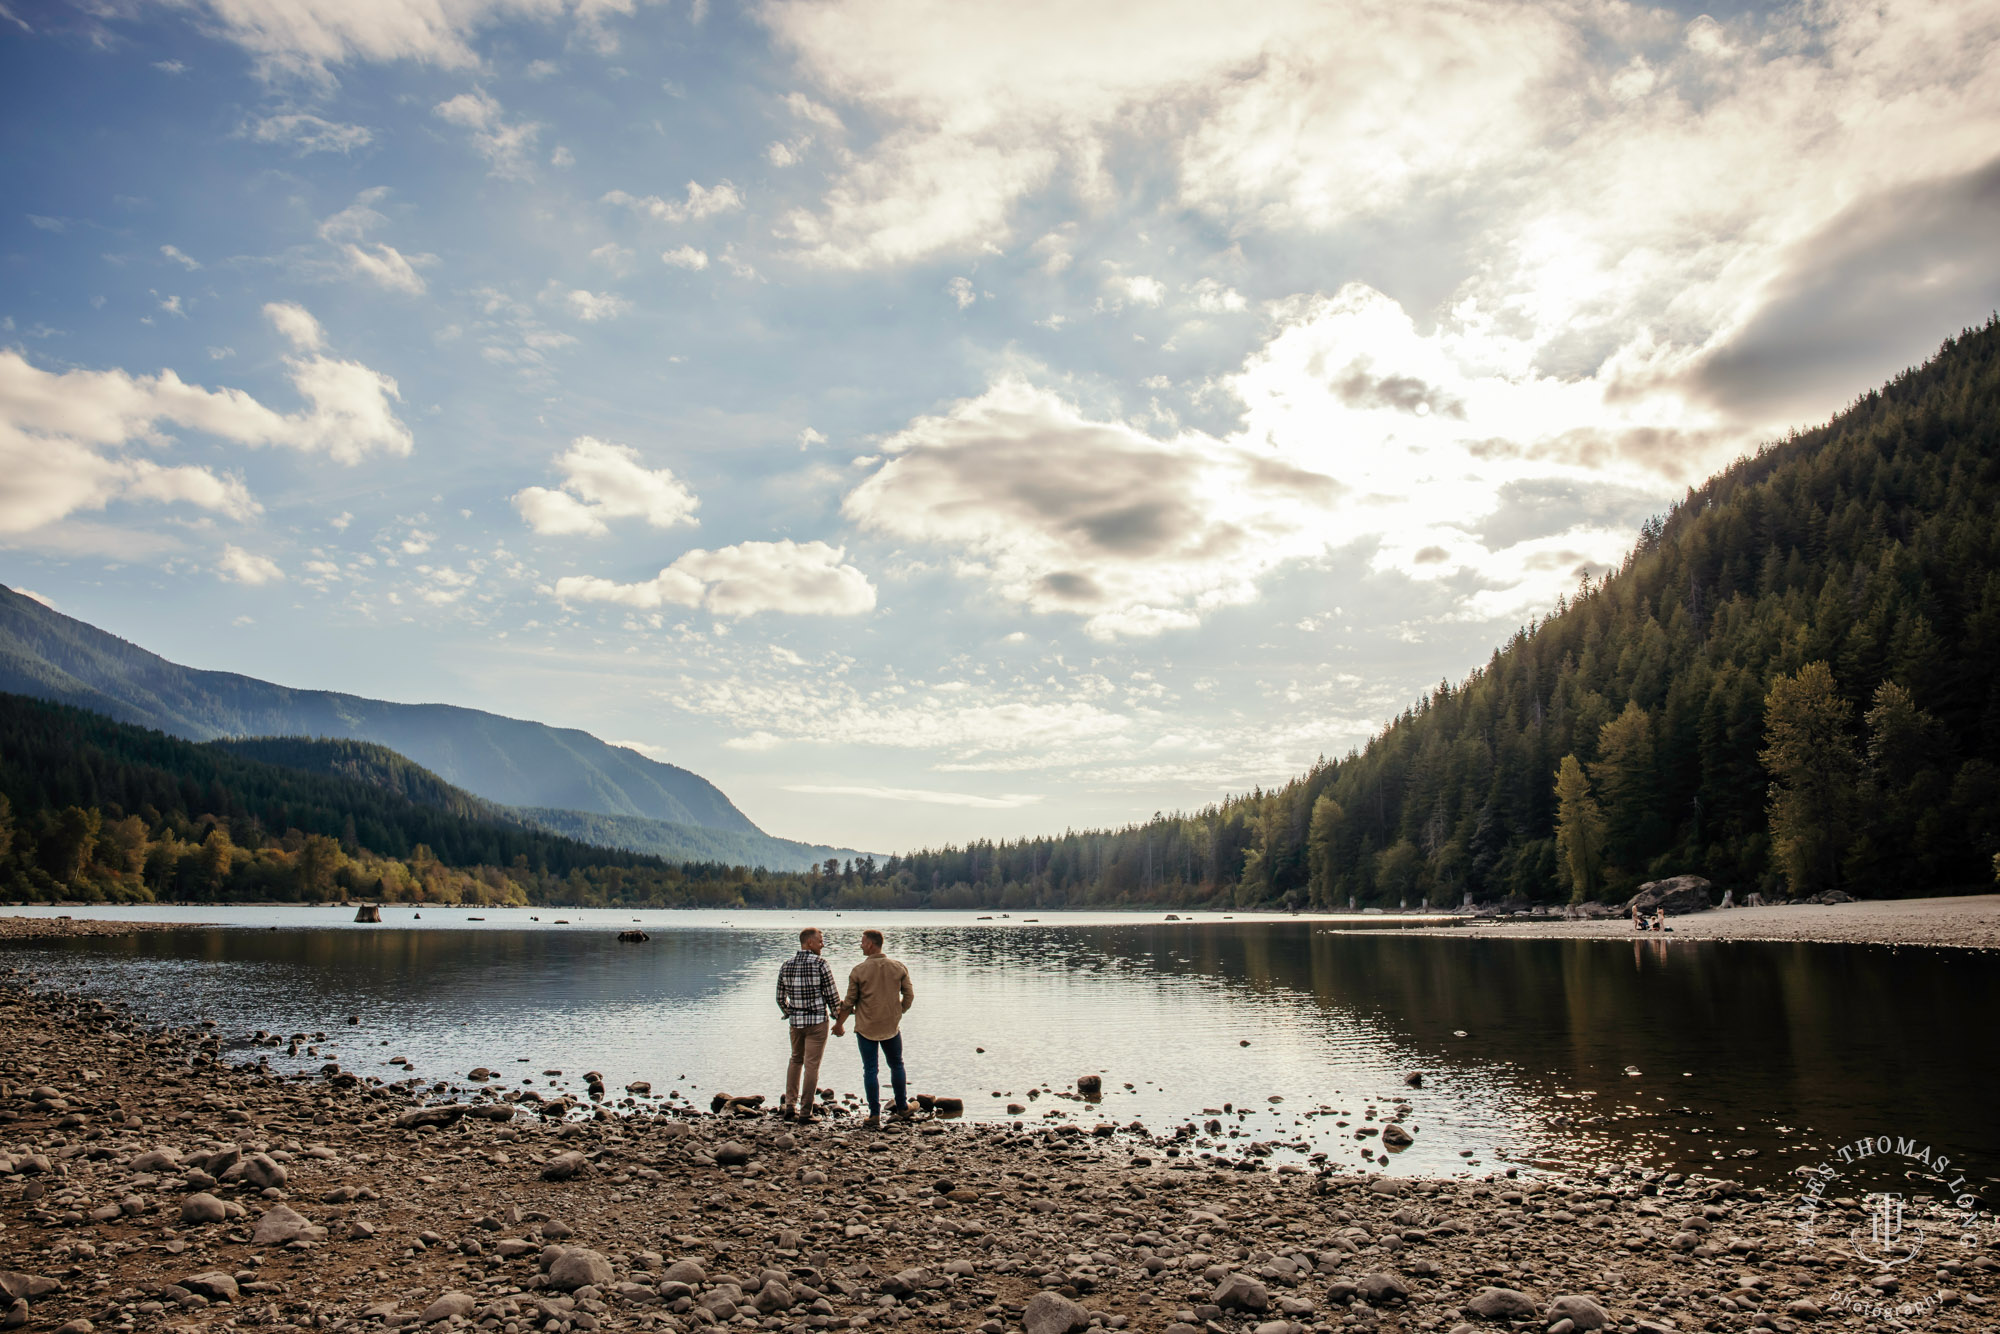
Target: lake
x=1744, y=1060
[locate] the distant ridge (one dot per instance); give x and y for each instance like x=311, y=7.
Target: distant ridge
x=48, y=655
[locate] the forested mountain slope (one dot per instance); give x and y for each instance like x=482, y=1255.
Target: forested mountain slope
x=657, y=838
x=1792, y=684
x=51, y=656
x=93, y=809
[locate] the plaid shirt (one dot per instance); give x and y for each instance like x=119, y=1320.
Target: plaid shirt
x=806, y=992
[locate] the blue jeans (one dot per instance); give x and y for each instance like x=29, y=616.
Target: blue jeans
x=871, y=1082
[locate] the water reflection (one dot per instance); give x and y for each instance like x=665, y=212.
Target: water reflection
x=1747, y=1060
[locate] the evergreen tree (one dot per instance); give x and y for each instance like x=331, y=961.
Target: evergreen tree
x=1580, y=832
x=1813, y=766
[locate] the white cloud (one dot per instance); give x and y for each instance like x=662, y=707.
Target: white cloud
x=802, y=579
x=605, y=481
x=703, y=201
x=63, y=436
x=296, y=325
x=1357, y=429
x=1134, y=290
x=504, y=146
x=180, y=257
x=387, y=267
x=685, y=257
x=307, y=133
x=924, y=796
x=962, y=292
x=1214, y=298
x=309, y=37
x=810, y=437
x=593, y=306
x=247, y=567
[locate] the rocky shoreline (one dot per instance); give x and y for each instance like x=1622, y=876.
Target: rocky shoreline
x=56, y=928
x=165, y=1180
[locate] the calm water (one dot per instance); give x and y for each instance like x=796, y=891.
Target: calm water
x=1746, y=1060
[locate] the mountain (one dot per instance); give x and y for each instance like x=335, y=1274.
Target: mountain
x=97, y=810
x=382, y=767
x=51, y=656
x=71, y=778
x=1788, y=687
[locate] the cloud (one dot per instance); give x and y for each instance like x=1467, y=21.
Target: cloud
x=1886, y=275
x=802, y=579
x=1357, y=431
x=180, y=257
x=306, y=133
x=246, y=567
x=1134, y=290
x=1214, y=298
x=962, y=292
x=295, y=325
x=701, y=202
x=924, y=796
x=505, y=146
x=1065, y=513
x=593, y=306
x=605, y=481
x=387, y=267
x=685, y=257
x=310, y=37
x=63, y=436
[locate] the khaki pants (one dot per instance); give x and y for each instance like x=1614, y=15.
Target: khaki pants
x=808, y=1044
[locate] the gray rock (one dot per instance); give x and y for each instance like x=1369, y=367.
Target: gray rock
x=1379, y=1289
x=16, y=1315
x=1396, y=1135
x=443, y=1114
x=577, y=1267
x=15, y=1285
x=1680, y=894
x=773, y=1297
x=262, y=1171
x=162, y=1159
x=215, y=1285
x=1581, y=1312
x=202, y=1207
x=564, y=1166
x=685, y=1271
x=1240, y=1292
x=447, y=1306
x=76, y=1326
x=1275, y=1327
x=1052, y=1313
x=282, y=1223
x=729, y=1153
x=1501, y=1304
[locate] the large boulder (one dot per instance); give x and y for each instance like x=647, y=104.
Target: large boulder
x=282, y=1223
x=1052, y=1313
x=1582, y=1312
x=1501, y=1304
x=579, y=1267
x=1681, y=894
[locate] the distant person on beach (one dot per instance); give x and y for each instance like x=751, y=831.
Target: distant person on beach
x=1659, y=919
x=808, y=1000
x=1637, y=925
x=879, y=994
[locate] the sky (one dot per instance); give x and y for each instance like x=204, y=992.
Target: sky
x=937, y=421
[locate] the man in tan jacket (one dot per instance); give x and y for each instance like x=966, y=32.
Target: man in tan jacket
x=879, y=994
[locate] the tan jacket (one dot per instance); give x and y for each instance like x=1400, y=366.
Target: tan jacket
x=879, y=994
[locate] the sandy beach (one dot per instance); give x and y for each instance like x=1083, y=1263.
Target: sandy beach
x=1968, y=922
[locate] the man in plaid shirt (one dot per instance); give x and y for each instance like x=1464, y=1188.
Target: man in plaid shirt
x=808, y=1000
